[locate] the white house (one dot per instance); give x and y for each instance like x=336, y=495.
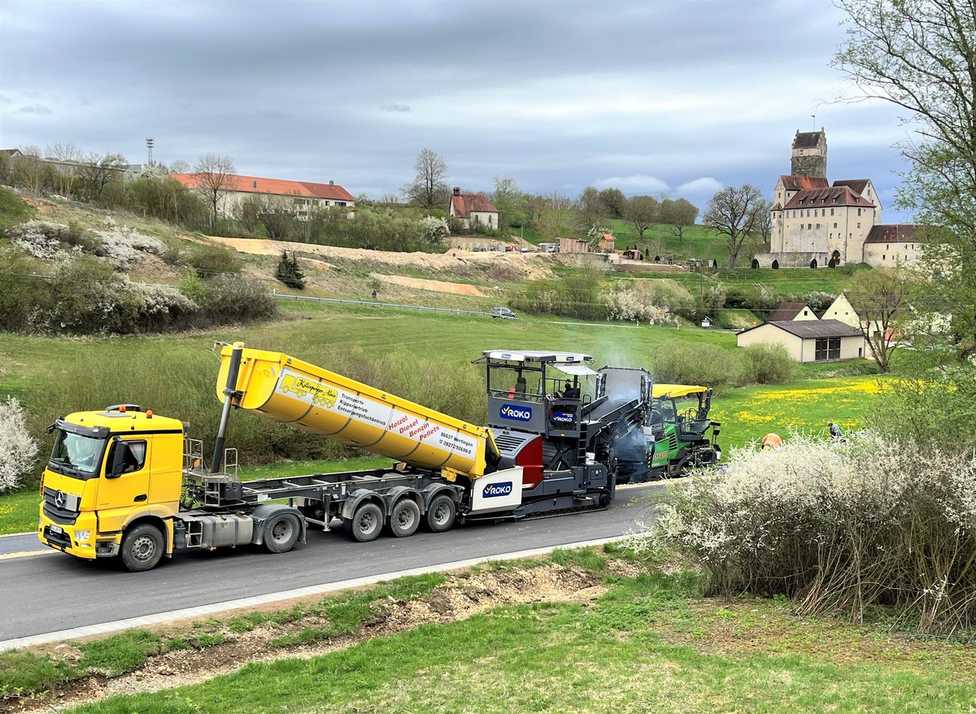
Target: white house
x=808, y=340
x=842, y=311
x=473, y=210
x=301, y=197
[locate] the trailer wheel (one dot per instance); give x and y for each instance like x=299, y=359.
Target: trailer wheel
x=365, y=524
x=441, y=513
x=281, y=532
x=142, y=547
x=404, y=518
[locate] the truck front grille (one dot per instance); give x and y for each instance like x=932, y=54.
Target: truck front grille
x=66, y=513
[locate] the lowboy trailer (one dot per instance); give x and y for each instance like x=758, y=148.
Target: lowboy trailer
x=125, y=483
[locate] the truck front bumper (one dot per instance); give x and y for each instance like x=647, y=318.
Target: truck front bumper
x=79, y=539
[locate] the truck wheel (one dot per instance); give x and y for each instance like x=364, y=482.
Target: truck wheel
x=404, y=518
x=441, y=513
x=366, y=523
x=142, y=547
x=281, y=532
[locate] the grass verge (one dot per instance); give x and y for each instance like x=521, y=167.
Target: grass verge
x=646, y=640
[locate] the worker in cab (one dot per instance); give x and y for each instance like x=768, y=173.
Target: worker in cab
x=571, y=391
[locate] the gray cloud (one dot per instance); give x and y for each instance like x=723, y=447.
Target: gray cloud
x=34, y=109
x=570, y=94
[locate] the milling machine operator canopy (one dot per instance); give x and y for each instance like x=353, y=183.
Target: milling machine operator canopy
x=536, y=374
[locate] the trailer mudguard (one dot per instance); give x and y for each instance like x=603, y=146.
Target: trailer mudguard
x=358, y=496
x=262, y=513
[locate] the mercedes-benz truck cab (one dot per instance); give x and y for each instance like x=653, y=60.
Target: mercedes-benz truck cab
x=112, y=474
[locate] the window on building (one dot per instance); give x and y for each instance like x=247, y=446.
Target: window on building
x=858, y=225
x=835, y=225
x=340, y=203
x=827, y=348
x=832, y=213
x=859, y=211
x=818, y=226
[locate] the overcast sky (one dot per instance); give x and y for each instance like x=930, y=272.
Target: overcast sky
x=663, y=97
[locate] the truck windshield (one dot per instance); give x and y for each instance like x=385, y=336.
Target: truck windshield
x=76, y=455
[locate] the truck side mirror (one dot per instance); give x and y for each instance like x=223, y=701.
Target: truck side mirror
x=118, y=460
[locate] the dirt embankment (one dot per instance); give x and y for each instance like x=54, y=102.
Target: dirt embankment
x=519, y=265
x=460, y=596
x=436, y=286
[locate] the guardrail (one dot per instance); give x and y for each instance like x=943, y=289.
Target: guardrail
x=374, y=303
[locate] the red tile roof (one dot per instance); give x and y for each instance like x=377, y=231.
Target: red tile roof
x=277, y=187
x=856, y=185
x=892, y=233
x=803, y=183
x=827, y=197
x=465, y=203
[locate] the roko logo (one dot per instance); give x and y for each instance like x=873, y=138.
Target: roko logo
x=494, y=490
x=516, y=412
x=561, y=417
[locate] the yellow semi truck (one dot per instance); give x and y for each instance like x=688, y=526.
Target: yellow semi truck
x=126, y=483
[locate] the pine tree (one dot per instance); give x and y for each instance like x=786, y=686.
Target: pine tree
x=289, y=272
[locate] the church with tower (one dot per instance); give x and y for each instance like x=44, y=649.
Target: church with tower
x=819, y=224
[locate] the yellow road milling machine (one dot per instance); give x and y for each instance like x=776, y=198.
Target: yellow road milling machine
x=126, y=483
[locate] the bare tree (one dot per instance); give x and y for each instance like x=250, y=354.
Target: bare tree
x=556, y=218
x=734, y=211
x=920, y=55
x=179, y=167
x=429, y=186
x=29, y=169
x=67, y=157
x=642, y=211
x=764, y=223
x=214, y=174
x=879, y=299
x=680, y=214
x=97, y=171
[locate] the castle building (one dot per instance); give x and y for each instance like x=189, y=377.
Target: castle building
x=816, y=223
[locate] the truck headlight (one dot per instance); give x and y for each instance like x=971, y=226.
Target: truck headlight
x=82, y=536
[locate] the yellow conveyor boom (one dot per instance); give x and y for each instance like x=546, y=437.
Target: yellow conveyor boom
x=293, y=391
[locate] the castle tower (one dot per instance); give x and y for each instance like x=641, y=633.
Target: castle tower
x=809, y=157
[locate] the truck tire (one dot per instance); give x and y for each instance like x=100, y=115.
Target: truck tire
x=142, y=548
x=281, y=532
x=404, y=518
x=441, y=513
x=365, y=524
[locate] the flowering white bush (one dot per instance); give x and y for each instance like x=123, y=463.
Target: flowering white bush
x=120, y=246
x=124, y=246
x=40, y=239
x=433, y=230
x=636, y=304
x=17, y=449
x=838, y=526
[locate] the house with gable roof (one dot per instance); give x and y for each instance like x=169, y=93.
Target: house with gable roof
x=473, y=210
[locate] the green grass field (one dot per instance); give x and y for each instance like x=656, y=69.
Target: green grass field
x=697, y=241
x=644, y=641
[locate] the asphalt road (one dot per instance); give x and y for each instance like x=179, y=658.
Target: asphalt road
x=55, y=592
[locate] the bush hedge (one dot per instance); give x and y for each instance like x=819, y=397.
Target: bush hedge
x=840, y=527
